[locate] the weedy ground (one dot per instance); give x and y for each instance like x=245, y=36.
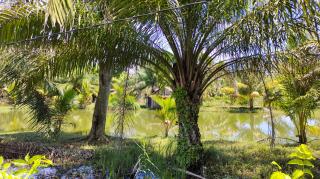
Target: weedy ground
x=119, y=158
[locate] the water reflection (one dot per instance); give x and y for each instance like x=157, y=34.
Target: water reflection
x=213, y=124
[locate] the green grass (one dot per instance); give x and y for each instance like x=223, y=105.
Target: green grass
x=32, y=136
x=223, y=159
x=119, y=158
x=243, y=160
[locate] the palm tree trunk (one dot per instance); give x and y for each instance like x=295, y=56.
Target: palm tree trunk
x=251, y=104
x=190, y=149
x=97, y=132
x=302, y=126
x=303, y=137
x=166, y=132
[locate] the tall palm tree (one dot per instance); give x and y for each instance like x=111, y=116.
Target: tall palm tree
x=192, y=46
x=110, y=48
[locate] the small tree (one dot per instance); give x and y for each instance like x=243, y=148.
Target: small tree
x=167, y=113
x=249, y=78
x=122, y=102
x=299, y=76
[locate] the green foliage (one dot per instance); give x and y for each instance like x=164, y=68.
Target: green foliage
x=301, y=159
x=299, y=79
x=26, y=167
x=130, y=157
x=85, y=86
x=122, y=103
x=9, y=88
x=61, y=106
x=167, y=112
x=46, y=100
x=116, y=96
x=149, y=78
x=273, y=93
x=227, y=90
x=226, y=159
x=243, y=89
x=25, y=19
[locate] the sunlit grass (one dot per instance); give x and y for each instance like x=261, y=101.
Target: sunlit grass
x=224, y=159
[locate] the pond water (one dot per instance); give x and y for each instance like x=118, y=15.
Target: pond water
x=214, y=124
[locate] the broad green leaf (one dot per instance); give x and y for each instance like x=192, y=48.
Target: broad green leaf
x=296, y=162
x=6, y=166
x=20, y=172
x=308, y=163
x=35, y=158
x=303, y=152
x=276, y=164
x=279, y=175
x=297, y=174
x=19, y=162
x=293, y=155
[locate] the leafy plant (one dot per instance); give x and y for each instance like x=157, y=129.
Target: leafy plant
x=123, y=103
x=26, y=167
x=299, y=79
x=167, y=113
x=301, y=158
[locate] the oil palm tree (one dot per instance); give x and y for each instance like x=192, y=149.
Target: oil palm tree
x=109, y=49
x=193, y=46
x=299, y=77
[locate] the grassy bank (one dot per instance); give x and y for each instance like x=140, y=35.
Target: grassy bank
x=224, y=159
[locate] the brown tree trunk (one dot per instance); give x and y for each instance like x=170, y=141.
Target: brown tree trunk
x=166, y=132
x=190, y=149
x=251, y=104
x=303, y=135
x=97, y=132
